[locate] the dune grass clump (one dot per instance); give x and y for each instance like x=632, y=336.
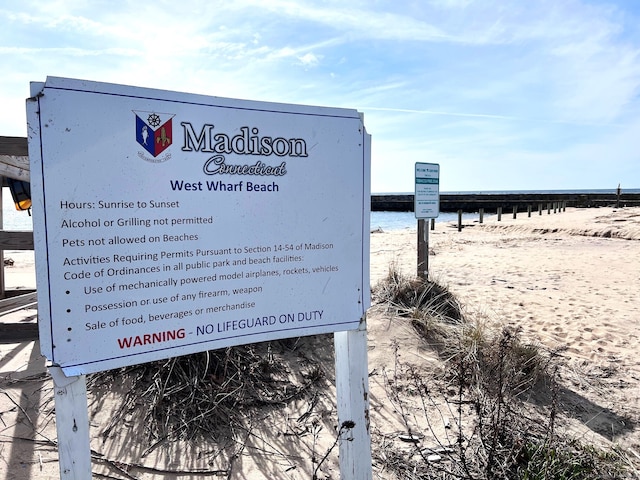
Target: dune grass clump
x=568, y=459
x=433, y=310
x=210, y=395
x=485, y=353
x=492, y=370
x=417, y=298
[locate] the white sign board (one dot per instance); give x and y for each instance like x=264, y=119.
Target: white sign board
x=168, y=223
x=427, y=191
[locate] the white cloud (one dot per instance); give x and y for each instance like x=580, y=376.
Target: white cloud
x=458, y=81
x=309, y=60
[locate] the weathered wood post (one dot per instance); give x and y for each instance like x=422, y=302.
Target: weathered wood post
x=423, y=250
x=433, y=224
x=529, y=211
x=539, y=209
x=459, y=220
x=618, y=192
x=515, y=211
x=72, y=425
x=481, y=212
x=352, y=401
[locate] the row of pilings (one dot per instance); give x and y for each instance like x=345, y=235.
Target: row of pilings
x=490, y=202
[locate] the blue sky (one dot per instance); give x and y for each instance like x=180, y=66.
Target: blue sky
x=504, y=94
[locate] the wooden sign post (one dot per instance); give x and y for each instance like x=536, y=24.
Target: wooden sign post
x=72, y=425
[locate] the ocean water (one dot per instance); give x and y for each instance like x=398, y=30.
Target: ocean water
x=13, y=219
x=16, y=220
x=387, y=221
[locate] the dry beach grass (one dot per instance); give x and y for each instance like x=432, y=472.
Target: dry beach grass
x=556, y=295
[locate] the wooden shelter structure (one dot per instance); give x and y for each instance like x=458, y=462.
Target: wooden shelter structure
x=14, y=163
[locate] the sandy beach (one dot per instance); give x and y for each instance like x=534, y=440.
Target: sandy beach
x=568, y=279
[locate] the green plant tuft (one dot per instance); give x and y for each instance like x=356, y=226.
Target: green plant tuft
x=490, y=369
